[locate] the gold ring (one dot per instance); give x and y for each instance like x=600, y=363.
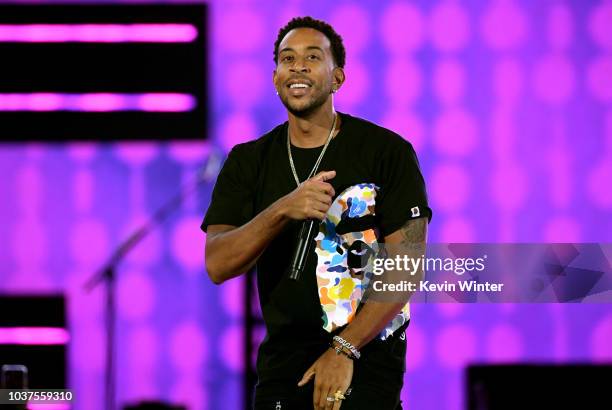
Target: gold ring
x=339, y=396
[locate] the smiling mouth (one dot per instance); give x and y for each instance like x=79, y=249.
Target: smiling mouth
x=299, y=89
x=297, y=86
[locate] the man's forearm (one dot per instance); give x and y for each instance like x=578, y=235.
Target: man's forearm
x=232, y=253
x=380, y=309
x=377, y=312
x=369, y=322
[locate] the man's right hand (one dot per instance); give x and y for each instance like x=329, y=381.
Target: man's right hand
x=233, y=250
x=311, y=199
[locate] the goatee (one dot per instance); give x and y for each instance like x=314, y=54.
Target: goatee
x=306, y=110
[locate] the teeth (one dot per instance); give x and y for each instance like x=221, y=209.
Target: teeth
x=298, y=86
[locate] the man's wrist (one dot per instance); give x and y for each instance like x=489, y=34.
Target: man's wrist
x=338, y=342
x=278, y=212
x=352, y=338
x=341, y=350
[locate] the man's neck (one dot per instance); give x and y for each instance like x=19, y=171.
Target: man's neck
x=313, y=130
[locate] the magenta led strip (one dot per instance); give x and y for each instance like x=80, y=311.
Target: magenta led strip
x=48, y=406
x=98, y=102
x=98, y=33
x=33, y=336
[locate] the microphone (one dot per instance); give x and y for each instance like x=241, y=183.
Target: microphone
x=302, y=249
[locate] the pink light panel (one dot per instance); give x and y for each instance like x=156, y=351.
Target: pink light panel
x=98, y=33
x=48, y=406
x=33, y=336
x=98, y=102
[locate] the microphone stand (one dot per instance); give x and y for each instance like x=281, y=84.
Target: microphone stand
x=107, y=274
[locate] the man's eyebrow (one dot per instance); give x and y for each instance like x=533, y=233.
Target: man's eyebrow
x=308, y=48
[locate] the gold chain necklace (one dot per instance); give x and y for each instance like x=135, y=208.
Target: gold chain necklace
x=316, y=166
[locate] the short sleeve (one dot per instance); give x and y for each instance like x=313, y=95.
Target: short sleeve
x=403, y=195
x=232, y=198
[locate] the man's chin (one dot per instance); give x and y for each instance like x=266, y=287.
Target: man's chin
x=300, y=110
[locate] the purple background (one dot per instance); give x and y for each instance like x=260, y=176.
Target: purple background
x=509, y=106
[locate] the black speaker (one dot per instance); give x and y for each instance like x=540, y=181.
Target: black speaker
x=538, y=386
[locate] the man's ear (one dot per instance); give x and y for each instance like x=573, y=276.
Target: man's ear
x=339, y=78
x=274, y=80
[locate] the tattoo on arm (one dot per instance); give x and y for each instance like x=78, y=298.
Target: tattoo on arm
x=414, y=233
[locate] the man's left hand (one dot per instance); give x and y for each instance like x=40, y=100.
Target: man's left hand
x=332, y=372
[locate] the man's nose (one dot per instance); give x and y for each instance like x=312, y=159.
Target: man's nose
x=300, y=66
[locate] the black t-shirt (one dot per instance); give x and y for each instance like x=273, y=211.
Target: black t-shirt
x=258, y=173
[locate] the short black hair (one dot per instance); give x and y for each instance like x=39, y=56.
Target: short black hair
x=337, y=46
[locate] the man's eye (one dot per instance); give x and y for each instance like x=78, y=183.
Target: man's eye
x=287, y=58
x=313, y=57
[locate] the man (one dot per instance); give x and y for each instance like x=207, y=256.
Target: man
x=363, y=183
